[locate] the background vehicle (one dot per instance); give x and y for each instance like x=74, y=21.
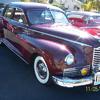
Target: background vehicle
x=88, y=21
x=83, y=19
x=40, y=34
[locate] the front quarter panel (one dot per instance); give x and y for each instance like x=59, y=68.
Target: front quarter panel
x=53, y=52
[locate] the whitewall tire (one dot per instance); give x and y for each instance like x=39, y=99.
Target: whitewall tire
x=41, y=70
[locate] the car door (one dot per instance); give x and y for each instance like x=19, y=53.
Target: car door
x=8, y=28
x=16, y=27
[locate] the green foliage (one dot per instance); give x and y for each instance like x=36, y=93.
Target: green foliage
x=42, y=1
x=58, y=5
x=25, y=0
x=91, y=5
x=22, y=0
x=97, y=4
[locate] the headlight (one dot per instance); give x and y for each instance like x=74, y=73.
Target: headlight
x=69, y=59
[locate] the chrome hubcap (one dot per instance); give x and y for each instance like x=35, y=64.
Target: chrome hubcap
x=42, y=70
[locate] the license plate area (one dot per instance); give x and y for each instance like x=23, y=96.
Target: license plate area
x=97, y=78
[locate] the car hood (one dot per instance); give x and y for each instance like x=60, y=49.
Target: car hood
x=67, y=33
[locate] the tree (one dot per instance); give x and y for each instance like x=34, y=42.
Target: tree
x=25, y=0
x=97, y=5
x=91, y=5
x=58, y=5
x=42, y=1
x=45, y=1
x=50, y=1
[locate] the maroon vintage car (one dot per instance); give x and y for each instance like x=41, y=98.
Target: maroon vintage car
x=40, y=34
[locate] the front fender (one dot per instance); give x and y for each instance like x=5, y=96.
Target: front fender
x=53, y=52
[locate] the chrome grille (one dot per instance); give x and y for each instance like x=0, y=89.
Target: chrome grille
x=96, y=58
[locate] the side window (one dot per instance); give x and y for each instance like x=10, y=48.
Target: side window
x=46, y=15
x=19, y=16
x=9, y=12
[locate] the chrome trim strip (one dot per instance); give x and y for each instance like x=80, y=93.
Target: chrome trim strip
x=5, y=41
x=68, y=40
x=93, y=61
x=14, y=52
x=68, y=82
x=96, y=58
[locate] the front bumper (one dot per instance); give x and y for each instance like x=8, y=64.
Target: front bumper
x=68, y=82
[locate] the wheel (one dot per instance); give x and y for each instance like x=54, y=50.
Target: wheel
x=41, y=70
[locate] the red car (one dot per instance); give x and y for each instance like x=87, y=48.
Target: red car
x=85, y=20
x=40, y=34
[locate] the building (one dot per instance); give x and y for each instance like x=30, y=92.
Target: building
x=71, y=4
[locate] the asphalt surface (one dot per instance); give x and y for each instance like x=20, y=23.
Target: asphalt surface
x=17, y=82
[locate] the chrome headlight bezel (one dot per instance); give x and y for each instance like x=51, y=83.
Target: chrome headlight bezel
x=69, y=59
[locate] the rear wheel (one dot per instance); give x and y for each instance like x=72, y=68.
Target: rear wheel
x=41, y=70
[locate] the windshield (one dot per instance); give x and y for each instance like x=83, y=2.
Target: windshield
x=45, y=16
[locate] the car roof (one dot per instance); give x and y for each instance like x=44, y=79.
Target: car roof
x=30, y=5
x=85, y=13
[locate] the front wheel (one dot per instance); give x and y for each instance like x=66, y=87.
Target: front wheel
x=41, y=70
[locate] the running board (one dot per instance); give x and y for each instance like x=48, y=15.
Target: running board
x=16, y=53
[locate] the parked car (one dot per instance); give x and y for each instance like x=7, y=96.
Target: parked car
x=40, y=34
x=83, y=19
x=88, y=21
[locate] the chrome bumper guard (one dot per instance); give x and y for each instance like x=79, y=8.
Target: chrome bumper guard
x=68, y=82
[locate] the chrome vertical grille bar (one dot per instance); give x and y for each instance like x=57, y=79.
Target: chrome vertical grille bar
x=96, y=58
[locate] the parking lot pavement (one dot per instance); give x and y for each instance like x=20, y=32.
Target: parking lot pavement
x=17, y=82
